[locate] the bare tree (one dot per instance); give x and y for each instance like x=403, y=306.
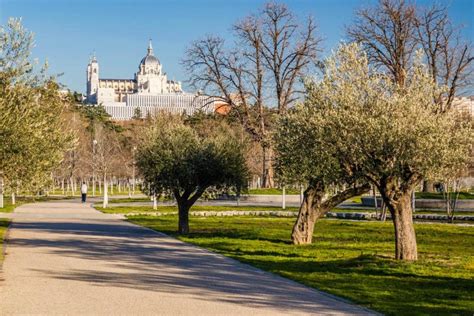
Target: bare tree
x=287, y=58
x=108, y=155
x=387, y=33
x=271, y=52
x=449, y=57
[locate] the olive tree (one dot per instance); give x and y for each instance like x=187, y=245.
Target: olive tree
x=391, y=136
x=174, y=159
x=304, y=154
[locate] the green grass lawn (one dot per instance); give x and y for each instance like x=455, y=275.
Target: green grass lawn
x=8, y=207
x=130, y=200
x=272, y=191
x=349, y=259
x=3, y=229
x=195, y=208
x=439, y=196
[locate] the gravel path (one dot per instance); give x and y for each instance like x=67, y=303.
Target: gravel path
x=66, y=258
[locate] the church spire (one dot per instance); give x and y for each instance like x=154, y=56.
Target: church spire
x=150, y=48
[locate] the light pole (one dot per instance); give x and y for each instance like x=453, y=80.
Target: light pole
x=94, y=143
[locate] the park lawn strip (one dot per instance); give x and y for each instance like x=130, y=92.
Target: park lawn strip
x=271, y=191
x=439, y=196
x=219, y=208
x=349, y=259
x=4, y=223
x=195, y=208
x=8, y=207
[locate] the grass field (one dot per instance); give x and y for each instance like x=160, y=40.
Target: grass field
x=3, y=229
x=7, y=207
x=439, y=196
x=348, y=259
x=272, y=191
x=195, y=208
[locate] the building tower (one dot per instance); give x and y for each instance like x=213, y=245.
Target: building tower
x=149, y=78
x=92, y=80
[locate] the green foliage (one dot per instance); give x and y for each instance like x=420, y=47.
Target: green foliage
x=349, y=259
x=137, y=114
x=31, y=125
x=4, y=223
x=175, y=158
x=96, y=114
x=389, y=133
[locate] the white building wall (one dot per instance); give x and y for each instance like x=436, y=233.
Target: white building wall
x=154, y=104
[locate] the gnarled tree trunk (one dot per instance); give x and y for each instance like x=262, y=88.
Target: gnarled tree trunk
x=313, y=207
x=402, y=217
x=308, y=214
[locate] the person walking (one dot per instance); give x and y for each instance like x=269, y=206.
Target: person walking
x=83, y=192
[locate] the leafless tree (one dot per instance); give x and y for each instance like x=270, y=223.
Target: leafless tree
x=287, y=58
x=271, y=53
x=449, y=58
x=388, y=34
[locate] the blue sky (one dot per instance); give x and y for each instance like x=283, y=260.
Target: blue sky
x=68, y=31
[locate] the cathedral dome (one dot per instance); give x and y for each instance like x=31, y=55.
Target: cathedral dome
x=149, y=59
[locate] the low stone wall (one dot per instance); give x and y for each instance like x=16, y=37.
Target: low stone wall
x=347, y=215
x=267, y=198
x=462, y=205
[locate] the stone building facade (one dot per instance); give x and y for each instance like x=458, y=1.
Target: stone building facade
x=149, y=91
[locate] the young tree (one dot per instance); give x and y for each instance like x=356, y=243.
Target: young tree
x=176, y=160
x=390, y=135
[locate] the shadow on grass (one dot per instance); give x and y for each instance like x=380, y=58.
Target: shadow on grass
x=375, y=281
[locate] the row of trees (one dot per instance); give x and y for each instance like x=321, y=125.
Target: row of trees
x=31, y=122
x=259, y=73
x=381, y=114
x=46, y=137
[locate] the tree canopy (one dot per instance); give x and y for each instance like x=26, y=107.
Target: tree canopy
x=358, y=122
x=175, y=159
x=31, y=107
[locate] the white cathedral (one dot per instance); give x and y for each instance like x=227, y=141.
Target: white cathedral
x=150, y=91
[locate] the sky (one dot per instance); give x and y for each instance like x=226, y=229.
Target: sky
x=67, y=32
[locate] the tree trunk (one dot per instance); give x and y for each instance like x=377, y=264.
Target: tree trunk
x=405, y=238
x=308, y=214
x=13, y=198
x=1, y=192
x=313, y=208
x=183, y=212
x=428, y=186
x=105, y=201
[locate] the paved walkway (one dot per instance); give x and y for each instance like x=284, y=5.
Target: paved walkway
x=67, y=258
